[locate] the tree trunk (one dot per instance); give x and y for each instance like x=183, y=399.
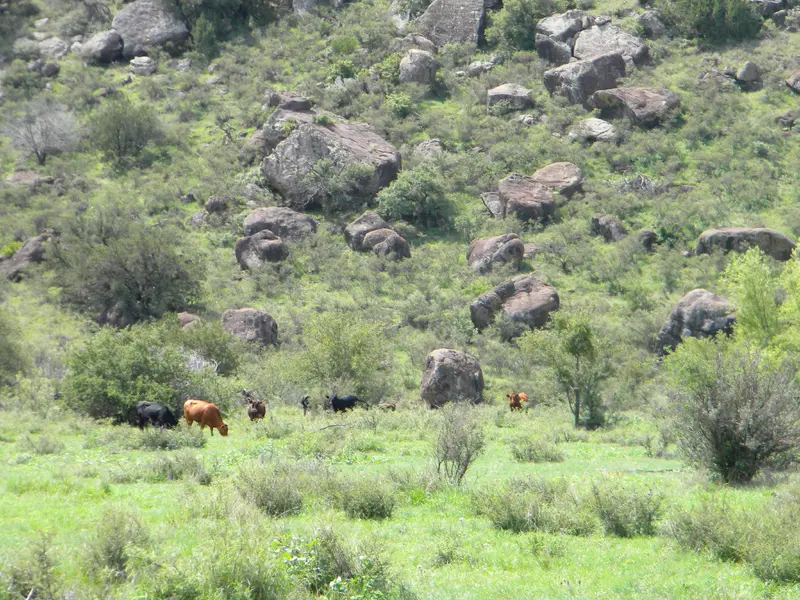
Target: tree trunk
x=577, y=407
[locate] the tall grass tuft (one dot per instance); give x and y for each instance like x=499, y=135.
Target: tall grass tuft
x=364, y=498
x=275, y=490
x=536, y=451
x=626, y=510
x=117, y=536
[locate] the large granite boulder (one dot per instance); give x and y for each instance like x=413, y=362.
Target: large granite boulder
x=284, y=222
x=494, y=204
x=451, y=376
x=652, y=24
x=749, y=74
x=418, y=66
x=579, y=80
x=793, y=81
x=609, y=39
x=524, y=300
x=526, y=198
x=645, y=107
x=516, y=96
x=54, y=47
x=609, y=227
x=143, y=65
x=343, y=144
x=698, y=314
x=453, y=21
x=564, y=26
x=278, y=127
x=563, y=178
x=31, y=252
x=291, y=101
x=148, y=23
x=371, y=232
x=484, y=253
x=355, y=232
x=740, y=239
x=251, y=325
x=103, y=47
x=552, y=50
x=593, y=130
x=254, y=250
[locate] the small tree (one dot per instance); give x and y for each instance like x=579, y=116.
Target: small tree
x=121, y=130
x=417, y=196
x=754, y=286
x=736, y=410
x=515, y=25
x=714, y=20
x=459, y=443
x=12, y=357
x=42, y=129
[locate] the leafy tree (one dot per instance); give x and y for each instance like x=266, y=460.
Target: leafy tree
x=338, y=188
x=121, y=130
x=714, y=20
x=515, y=25
x=736, y=409
x=12, y=357
x=754, y=286
x=43, y=128
x=205, y=38
x=417, y=196
x=122, y=271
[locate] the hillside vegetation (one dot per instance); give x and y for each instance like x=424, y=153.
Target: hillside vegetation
x=143, y=257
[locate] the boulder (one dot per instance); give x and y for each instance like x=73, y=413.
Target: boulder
x=290, y=101
x=749, y=73
x=356, y=231
x=652, y=24
x=253, y=251
x=251, y=325
x=148, y=23
x=278, y=127
x=645, y=107
x=526, y=198
x=143, y=65
x=579, y=80
x=552, y=50
x=343, y=144
x=218, y=204
x=740, y=239
x=562, y=27
x=647, y=239
x=767, y=8
x=609, y=39
x=794, y=82
x=524, y=300
x=414, y=40
x=31, y=252
x=387, y=242
x=429, y=149
x=517, y=97
x=608, y=226
x=479, y=67
x=484, y=253
x=30, y=178
x=530, y=251
x=54, y=47
x=593, y=130
x=187, y=320
x=282, y=221
x=453, y=21
x=418, y=66
x=698, y=314
x=494, y=204
x=451, y=376
x=103, y=47
x=50, y=69
x=561, y=177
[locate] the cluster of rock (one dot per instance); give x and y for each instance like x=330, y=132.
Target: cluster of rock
x=609, y=227
x=524, y=300
x=484, y=253
x=266, y=231
x=698, y=314
x=453, y=21
x=740, y=239
x=31, y=252
x=370, y=232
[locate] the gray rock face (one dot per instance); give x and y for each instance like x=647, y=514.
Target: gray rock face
x=609, y=227
x=218, y=204
x=290, y=101
x=479, y=67
x=749, y=73
x=429, y=149
x=50, y=69
x=767, y=8
x=609, y=39
x=484, y=253
x=342, y=144
x=355, y=232
x=794, y=82
x=698, y=314
x=414, y=40
x=740, y=239
x=147, y=23
x=552, y=50
x=418, y=66
x=453, y=21
x=647, y=239
x=103, y=47
x=143, y=65
x=284, y=222
x=31, y=252
x=278, y=127
x=562, y=177
x=579, y=80
x=54, y=47
x=186, y=320
x=371, y=232
x=562, y=27
x=450, y=376
x=517, y=97
x=653, y=27
x=593, y=130
x=494, y=204
x=526, y=198
x=251, y=325
x=645, y=107
x=253, y=251
x=525, y=300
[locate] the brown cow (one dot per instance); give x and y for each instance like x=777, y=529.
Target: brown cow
x=515, y=400
x=256, y=409
x=204, y=413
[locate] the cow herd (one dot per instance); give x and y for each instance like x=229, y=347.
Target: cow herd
x=207, y=414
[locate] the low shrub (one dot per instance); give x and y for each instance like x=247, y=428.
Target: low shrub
x=536, y=450
x=117, y=536
x=713, y=525
x=44, y=444
x=275, y=490
x=34, y=569
x=364, y=498
x=626, y=510
x=418, y=196
x=155, y=438
x=178, y=466
x=459, y=442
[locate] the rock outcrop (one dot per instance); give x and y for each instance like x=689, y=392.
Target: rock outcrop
x=698, y=314
x=563, y=178
x=563, y=27
x=609, y=39
x=54, y=47
x=284, y=222
x=645, y=107
x=579, y=80
x=31, y=252
x=593, y=130
x=187, y=320
x=251, y=325
x=526, y=198
x=485, y=253
x=418, y=66
x=343, y=144
x=143, y=65
x=103, y=47
x=451, y=376
x=453, y=21
x=254, y=250
x=652, y=24
x=515, y=96
x=288, y=101
x=371, y=232
x=609, y=227
x=148, y=23
x=218, y=204
x=525, y=300
x=794, y=82
x=740, y=239
x=552, y=50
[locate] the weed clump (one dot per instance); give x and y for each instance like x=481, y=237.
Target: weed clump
x=459, y=443
x=275, y=490
x=364, y=498
x=626, y=510
x=117, y=537
x=536, y=451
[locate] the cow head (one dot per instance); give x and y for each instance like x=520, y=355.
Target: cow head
x=223, y=430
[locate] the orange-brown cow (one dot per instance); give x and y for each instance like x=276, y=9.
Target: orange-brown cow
x=204, y=413
x=515, y=400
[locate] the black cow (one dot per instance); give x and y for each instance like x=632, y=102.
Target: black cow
x=341, y=404
x=156, y=414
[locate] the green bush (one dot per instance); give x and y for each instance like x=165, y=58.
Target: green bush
x=121, y=130
x=388, y=69
x=117, y=536
x=34, y=569
x=515, y=25
x=418, y=196
x=536, y=451
x=156, y=438
x=174, y=467
x=399, y=103
x=275, y=490
x=343, y=68
x=459, y=442
x=12, y=359
x=626, y=510
x=364, y=498
x=336, y=188
x=715, y=20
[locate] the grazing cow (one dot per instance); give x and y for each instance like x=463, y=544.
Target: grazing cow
x=256, y=409
x=305, y=404
x=387, y=406
x=341, y=404
x=155, y=414
x=204, y=413
x=515, y=400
